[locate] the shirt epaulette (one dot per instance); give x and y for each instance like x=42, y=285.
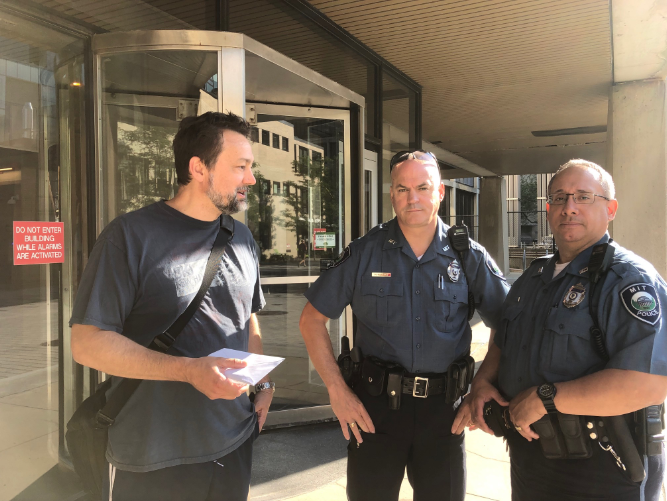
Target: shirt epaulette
x=540, y=259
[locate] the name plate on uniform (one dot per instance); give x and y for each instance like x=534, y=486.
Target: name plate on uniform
x=378, y=274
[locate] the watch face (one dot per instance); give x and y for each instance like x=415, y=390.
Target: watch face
x=546, y=390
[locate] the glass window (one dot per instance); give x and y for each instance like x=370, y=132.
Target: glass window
x=144, y=15
x=266, y=136
x=398, y=131
x=266, y=187
x=144, y=97
x=276, y=141
x=297, y=382
x=254, y=134
x=284, y=226
x=285, y=144
x=445, y=209
x=41, y=87
x=298, y=38
x=465, y=211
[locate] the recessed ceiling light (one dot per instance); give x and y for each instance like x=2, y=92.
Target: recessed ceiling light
x=594, y=129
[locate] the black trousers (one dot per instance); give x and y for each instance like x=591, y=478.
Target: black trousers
x=225, y=479
x=597, y=478
x=416, y=436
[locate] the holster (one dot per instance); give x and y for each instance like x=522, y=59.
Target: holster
x=649, y=430
x=497, y=417
x=459, y=377
x=349, y=362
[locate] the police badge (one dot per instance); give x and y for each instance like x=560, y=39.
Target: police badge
x=453, y=271
x=574, y=296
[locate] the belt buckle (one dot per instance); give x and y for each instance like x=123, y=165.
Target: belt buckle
x=416, y=384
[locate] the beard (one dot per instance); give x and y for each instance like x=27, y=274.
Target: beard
x=226, y=204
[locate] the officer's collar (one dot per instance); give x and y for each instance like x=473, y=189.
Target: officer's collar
x=440, y=244
x=395, y=238
x=577, y=267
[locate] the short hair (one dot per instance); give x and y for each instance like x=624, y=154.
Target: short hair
x=603, y=177
x=202, y=137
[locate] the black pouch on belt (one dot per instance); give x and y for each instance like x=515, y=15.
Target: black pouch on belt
x=577, y=444
x=372, y=377
x=551, y=443
x=394, y=389
x=459, y=377
x=563, y=437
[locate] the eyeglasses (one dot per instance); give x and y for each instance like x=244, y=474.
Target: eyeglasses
x=579, y=198
x=402, y=156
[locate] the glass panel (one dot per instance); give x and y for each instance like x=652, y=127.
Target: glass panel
x=144, y=97
x=398, y=131
x=465, y=211
x=287, y=31
x=284, y=221
x=143, y=15
x=32, y=162
x=297, y=382
x=368, y=209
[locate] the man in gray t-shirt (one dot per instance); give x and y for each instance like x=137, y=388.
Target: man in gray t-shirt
x=187, y=432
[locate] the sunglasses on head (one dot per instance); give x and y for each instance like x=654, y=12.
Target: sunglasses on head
x=402, y=156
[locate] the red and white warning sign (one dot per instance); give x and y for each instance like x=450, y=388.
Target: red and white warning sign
x=37, y=242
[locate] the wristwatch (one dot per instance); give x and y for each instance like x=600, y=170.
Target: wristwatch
x=265, y=386
x=547, y=393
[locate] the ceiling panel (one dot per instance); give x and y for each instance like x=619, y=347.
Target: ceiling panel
x=492, y=71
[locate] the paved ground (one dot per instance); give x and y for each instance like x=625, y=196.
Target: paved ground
x=308, y=463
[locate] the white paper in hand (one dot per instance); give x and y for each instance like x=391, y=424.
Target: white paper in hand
x=258, y=365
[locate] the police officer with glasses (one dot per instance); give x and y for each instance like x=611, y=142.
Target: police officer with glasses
x=409, y=289
x=579, y=363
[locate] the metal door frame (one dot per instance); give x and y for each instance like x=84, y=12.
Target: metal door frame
x=318, y=412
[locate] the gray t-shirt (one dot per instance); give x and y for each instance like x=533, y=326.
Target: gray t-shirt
x=143, y=271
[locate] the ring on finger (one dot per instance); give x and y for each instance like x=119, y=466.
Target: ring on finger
x=353, y=424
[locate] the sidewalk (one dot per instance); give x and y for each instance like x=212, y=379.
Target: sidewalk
x=308, y=463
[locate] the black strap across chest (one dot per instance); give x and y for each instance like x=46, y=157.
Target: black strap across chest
x=163, y=342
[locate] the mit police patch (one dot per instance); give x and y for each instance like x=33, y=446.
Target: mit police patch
x=642, y=302
x=493, y=267
x=344, y=256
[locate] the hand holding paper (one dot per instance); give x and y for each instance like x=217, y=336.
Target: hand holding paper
x=258, y=365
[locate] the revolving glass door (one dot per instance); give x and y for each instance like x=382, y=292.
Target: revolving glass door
x=299, y=214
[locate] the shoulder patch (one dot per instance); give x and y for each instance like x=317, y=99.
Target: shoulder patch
x=476, y=246
x=642, y=302
x=344, y=256
x=493, y=267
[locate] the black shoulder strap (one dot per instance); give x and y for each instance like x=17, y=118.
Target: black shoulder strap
x=598, y=265
x=459, y=239
x=162, y=342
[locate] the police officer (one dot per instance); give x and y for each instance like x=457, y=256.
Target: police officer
x=544, y=359
x=408, y=289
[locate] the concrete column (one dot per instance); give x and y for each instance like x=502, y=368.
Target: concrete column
x=639, y=167
x=493, y=231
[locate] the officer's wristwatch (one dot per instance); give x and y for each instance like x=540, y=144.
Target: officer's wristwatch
x=265, y=386
x=547, y=393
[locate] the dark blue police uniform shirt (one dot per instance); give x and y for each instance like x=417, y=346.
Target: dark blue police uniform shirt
x=403, y=315
x=545, y=332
